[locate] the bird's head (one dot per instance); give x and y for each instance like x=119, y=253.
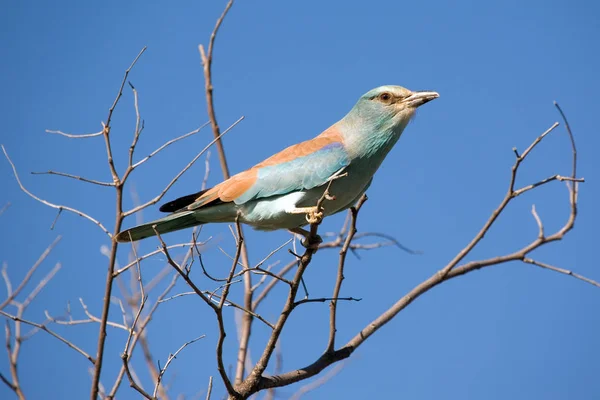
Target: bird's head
x=391, y=106
x=377, y=120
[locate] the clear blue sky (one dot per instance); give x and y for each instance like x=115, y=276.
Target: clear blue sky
x=294, y=68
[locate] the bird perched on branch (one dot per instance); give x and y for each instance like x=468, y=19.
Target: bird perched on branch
x=282, y=191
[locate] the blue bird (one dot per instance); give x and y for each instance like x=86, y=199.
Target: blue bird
x=281, y=192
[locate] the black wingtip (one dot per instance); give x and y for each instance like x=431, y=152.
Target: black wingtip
x=178, y=204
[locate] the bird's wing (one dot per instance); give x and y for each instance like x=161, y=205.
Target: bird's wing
x=300, y=167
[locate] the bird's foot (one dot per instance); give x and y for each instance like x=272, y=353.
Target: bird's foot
x=314, y=214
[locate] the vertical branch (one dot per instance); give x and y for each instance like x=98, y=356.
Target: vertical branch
x=119, y=216
x=340, y=276
x=251, y=383
x=15, y=340
x=246, y=328
x=12, y=360
x=208, y=87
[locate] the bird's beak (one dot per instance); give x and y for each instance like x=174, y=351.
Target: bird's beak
x=417, y=99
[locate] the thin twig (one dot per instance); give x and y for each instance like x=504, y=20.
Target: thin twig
x=447, y=273
x=235, y=305
x=72, y=136
x=561, y=270
x=207, y=64
x=176, y=178
x=112, y=256
x=52, y=333
x=79, y=178
x=126, y=355
x=538, y=220
x=340, y=274
x=12, y=295
x=262, y=295
x=13, y=355
x=141, y=328
x=41, y=285
x=254, y=379
x=152, y=253
x=139, y=125
x=209, y=390
x=507, y=198
x=544, y=181
x=167, y=144
x=324, y=299
x=127, y=352
x=52, y=205
x=4, y=208
x=207, y=59
x=205, y=298
x=169, y=360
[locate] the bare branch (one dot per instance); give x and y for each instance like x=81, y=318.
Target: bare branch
x=169, y=360
x=127, y=71
x=41, y=285
x=13, y=355
x=69, y=135
x=544, y=181
x=443, y=275
x=219, y=310
x=139, y=126
x=9, y=291
x=340, y=275
x=264, y=275
x=91, y=319
x=181, y=272
x=253, y=381
x=573, y=188
x=509, y=196
x=324, y=299
x=4, y=208
x=217, y=300
x=561, y=270
x=128, y=350
x=167, y=144
x=79, y=178
x=12, y=295
x=235, y=305
x=161, y=194
x=10, y=385
x=52, y=205
x=141, y=328
x=152, y=253
x=539, y=222
x=209, y=390
x=207, y=64
x=45, y=329
x=114, y=245
x=272, y=283
x=271, y=254
x=126, y=355
x=207, y=58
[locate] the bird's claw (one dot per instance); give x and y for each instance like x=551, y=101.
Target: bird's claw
x=314, y=216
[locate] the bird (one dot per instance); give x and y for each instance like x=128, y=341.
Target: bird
x=282, y=191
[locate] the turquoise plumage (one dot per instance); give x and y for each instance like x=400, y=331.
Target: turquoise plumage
x=279, y=192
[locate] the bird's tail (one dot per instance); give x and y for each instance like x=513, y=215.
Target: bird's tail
x=170, y=223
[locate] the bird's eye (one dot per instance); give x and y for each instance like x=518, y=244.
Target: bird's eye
x=385, y=98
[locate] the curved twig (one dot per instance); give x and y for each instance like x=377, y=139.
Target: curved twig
x=52, y=205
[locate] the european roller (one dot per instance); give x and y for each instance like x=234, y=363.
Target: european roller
x=283, y=190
